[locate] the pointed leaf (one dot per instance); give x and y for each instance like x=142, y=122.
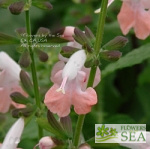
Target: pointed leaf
x=7, y=40
x=43, y=4
x=134, y=57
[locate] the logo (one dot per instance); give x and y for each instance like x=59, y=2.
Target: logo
x=120, y=133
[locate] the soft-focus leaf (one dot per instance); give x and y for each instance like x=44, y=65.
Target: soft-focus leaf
x=42, y=4
x=134, y=57
x=7, y=40
x=143, y=93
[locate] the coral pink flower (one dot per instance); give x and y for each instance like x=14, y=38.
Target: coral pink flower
x=69, y=87
x=9, y=82
x=135, y=14
x=46, y=143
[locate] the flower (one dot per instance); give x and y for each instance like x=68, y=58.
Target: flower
x=139, y=145
x=135, y=14
x=9, y=82
x=69, y=87
x=46, y=143
x=68, y=32
x=14, y=134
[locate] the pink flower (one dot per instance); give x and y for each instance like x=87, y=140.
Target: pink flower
x=69, y=87
x=135, y=14
x=68, y=32
x=9, y=82
x=46, y=143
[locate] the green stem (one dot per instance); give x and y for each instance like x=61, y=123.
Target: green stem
x=33, y=68
x=98, y=42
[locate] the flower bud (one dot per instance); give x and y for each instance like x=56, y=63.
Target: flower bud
x=46, y=143
x=110, y=55
x=17, y=7
x=67, y=51
x=25, y=60
x=80, y=37
x=68, y=32
x=116, y=44
x=43, y=57
x=26, y=82
x=19, y=98
x=43, y=31
x=26, y=112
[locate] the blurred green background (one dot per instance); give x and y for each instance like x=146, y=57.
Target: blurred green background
x=124, y=94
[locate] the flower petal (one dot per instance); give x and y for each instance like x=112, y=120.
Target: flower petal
x=142, y=25
x=83, y=101
x=56, y=72
x=11, y=67
x=57, y=102
x=5, y=100
x=14, y=134
x=126, y=18
x=97, y=76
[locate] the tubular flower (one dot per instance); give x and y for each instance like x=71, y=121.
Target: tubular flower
x=46, y=143
x=13, y=136
x=135, y=14
x=9, y=82
x=69, y=87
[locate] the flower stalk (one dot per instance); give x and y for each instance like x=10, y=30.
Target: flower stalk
x=98, y=42
x=33, y=68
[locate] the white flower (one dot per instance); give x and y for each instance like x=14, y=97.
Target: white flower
x=74, y=64
x=14, y=134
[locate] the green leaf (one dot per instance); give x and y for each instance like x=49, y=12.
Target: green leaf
x=136, y=56
x=143, y=93
x=45, y=125
x=7, y=40
x=6, y=3
x=43, y=4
